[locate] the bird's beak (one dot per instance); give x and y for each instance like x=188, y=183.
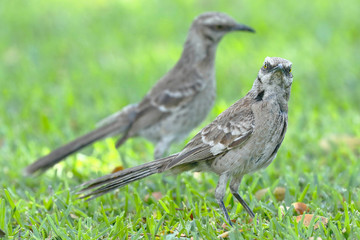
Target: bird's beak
x=279, y=67
x=242, y=27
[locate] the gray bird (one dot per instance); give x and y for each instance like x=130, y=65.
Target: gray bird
x=177, y=103
x=242, y=139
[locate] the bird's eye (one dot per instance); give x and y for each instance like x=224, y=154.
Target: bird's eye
x=289, y=70
x=219, y=27
x=265, y=65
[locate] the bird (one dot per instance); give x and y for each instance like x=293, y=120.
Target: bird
x=241, y=140
x=174, y=106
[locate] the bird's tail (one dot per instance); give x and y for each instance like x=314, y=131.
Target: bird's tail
x=97, y=187
x=117, y=123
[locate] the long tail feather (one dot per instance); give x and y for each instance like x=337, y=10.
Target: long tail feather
x=60, y=153
x=97, y=187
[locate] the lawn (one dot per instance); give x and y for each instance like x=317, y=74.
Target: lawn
x=65, y=65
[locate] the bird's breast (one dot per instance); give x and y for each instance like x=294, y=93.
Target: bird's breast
x=261, y=148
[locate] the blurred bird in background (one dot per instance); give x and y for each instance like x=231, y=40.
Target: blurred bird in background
x=175, y=105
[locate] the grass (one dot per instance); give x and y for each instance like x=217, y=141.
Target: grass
x=64, y=65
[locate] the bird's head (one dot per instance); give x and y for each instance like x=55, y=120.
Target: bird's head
x=212, y=26
x=274, y=78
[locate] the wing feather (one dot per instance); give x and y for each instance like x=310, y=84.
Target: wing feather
x=165, y=98
x=229, y=130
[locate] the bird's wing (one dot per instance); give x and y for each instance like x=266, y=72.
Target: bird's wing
x=167, y=97
x=229, y=130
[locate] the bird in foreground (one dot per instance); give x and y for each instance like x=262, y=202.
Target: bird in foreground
x=177, y=103
x=242, y=139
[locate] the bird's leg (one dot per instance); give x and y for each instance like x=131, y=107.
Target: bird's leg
x=234, y=186
x=220, y=194
x=222, y=206
x=244, y=204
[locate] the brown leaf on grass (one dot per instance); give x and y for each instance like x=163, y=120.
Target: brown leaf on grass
x=261, y=193
x=226, y=224
x=117, y=169
x=227, y=233
x=156, y=195
x=224, y=235
x=279, y=193
x=300, y=207
x=74, y=216
x=328, y=142
x=307, y=220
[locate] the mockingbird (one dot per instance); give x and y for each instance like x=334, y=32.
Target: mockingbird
x=177, y=103
x=241, y=140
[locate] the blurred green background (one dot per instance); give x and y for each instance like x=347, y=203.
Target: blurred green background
x=64, y=65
